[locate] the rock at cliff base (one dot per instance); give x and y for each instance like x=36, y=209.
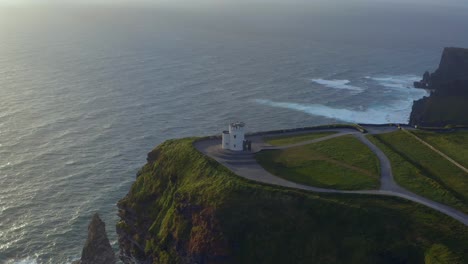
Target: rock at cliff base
x=97, y=249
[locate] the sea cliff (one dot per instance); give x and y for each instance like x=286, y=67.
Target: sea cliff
x=186, y=208
x=449, y=92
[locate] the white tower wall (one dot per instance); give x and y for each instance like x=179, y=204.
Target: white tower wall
x=233, y=139
x=226, y=140
x=237, y=136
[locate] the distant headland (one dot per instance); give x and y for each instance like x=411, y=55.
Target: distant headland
x=446, y=106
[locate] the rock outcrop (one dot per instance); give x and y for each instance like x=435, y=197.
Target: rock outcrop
x=97, y=249
x=453, y=67
x=175, y=229
x=424, y=83
x=449, y=92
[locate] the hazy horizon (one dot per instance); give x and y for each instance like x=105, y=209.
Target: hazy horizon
x=89, y=87
x=275, y=10
x=219, y=3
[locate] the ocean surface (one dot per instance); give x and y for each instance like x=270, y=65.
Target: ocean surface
x=85, y=93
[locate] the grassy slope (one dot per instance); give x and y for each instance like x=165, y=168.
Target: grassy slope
x=421, y=170
x=189, y=200
x=287, y=140
x=339, y=163
x=454, y=144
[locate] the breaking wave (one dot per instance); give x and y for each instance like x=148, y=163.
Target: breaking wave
x=396, y=110
x=22, y=261
x=338, y=84
x=375, y=115
x=401, y=86
x=398, y=81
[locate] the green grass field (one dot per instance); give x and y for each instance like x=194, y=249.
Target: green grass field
x=340, y=163
x=454, y=144
x=183, y=201
x=423, y=171
x=287, y=140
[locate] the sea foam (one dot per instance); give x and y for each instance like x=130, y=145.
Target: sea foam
x=22, y=261
x=338, y=84
x=394, y=111
x=401, y=85
x=376, y=114
x=397, y=81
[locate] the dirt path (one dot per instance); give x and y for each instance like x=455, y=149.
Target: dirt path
x=245, y=165
x=437, y=151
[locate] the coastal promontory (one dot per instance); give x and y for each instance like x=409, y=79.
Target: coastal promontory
x=185, y=207
x=449, y=92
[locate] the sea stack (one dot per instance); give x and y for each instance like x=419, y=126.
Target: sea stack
x=97, y=248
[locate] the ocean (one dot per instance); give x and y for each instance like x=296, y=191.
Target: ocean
x=87, y=92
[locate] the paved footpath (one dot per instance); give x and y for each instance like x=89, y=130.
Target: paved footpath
x=245, y=165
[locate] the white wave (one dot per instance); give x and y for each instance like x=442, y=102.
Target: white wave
x=22, y=261
x=395, y=113
x=401, y=85
x=26, y=261
x=6, y=164
x=396, y=81
x=338, y=84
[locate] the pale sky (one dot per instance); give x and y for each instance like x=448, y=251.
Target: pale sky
x=22, y=2
x=227, y=3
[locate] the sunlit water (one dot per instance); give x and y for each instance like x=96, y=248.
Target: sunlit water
x=84, y=95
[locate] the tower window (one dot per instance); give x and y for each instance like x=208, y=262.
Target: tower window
x=235, y=136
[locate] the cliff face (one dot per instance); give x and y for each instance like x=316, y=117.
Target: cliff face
x=97, y=249
x=187, y=208
x=164, y=220
x=449, y=85
x=453, y=67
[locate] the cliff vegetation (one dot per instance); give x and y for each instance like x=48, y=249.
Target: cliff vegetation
x=421, y=170
x=342, y=163
x=187, y=208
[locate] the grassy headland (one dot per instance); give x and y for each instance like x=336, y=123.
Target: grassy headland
x=423, y=171
x=339, y=163
x=453, y=144
x=292, y=139
x=185, y=207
